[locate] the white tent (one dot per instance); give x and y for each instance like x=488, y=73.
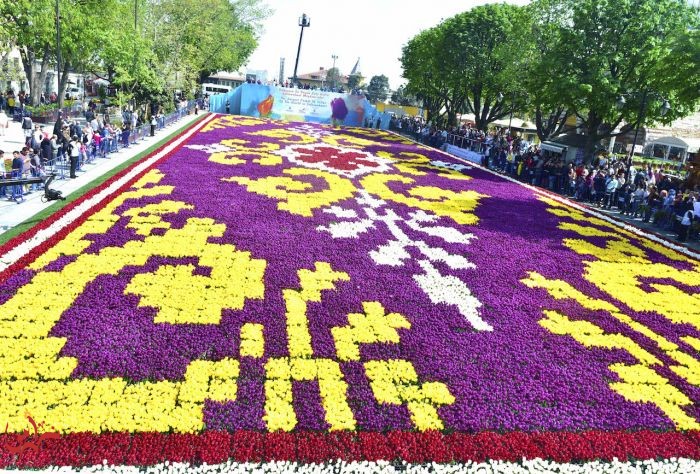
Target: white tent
x=671, y=147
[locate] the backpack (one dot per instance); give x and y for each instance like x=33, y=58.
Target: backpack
x=27, y=123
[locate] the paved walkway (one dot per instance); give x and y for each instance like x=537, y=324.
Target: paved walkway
x=12, y=213
x=648, y=226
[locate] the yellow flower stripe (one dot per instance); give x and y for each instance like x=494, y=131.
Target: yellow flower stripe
x=411, y=164
x=371, y=327
x=252, y=340
x=245, y=150
x=291, y=137
x=35, y=378
x=617, y=267
x=280, y=372
x=456, y=205
x=293, y=194
x=396, y=382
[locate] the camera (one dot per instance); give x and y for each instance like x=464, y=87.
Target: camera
x=51, y=194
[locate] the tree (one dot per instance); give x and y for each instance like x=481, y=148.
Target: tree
x=143, y=46
x=355, y=81
x=378, y=89
x=546, y=17
x=401, y=96
x=33, y=30
x=333, y=78
x=607, y=49
x=194, y=38
x=424, y=73
x=469, y=62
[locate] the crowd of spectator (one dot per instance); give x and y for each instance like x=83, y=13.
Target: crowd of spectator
x=69, y=145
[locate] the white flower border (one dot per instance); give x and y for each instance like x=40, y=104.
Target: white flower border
x=23, y=248
x=526, y=466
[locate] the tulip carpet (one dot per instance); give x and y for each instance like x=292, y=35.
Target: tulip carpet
x=276, y=296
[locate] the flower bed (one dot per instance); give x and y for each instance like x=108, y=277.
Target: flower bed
x=269, y=291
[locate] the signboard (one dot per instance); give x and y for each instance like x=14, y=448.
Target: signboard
x=308, y=105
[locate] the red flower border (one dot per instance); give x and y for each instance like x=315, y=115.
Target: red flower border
x=86, y=449
x=46, y=223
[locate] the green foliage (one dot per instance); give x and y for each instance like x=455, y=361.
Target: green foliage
x=402, y=96
x=10, y=71
x=143, y=46
x=466, y=61
x=355, y=81
x=333, y=78
x=599, y=50
x=378, y=89
x=555, y=58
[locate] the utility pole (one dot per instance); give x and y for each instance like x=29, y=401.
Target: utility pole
x=58, y=57
x=304, y=21
x=512, y=105
x=335, y=73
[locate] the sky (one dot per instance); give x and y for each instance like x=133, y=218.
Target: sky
x=373, y=30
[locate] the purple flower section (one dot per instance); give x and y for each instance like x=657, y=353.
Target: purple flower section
x=517, y=377
x=58, y=264
x=9, y=287
x=247, y=412
x=307, y=405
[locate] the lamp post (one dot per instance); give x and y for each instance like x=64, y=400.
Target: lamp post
x=665, y=107
x=304, y=21
x=499, y=98
x=512, y=106
x=58, y=57
x=335, y=73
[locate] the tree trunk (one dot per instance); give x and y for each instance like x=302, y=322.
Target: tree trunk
x=28, y=64
x=36, y=96
x=592, y=125
x=589, y=148
x=62, y=84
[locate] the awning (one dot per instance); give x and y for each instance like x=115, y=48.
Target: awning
x=553, y=147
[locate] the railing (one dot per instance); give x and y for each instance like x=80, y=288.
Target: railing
x=60, y=164
x=77, y=110
x=473, y=144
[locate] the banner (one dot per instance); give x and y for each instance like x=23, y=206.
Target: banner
x=307, y=105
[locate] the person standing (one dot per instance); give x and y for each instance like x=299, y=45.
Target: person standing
x=46, y=150
x=4, y=122
x=74, y=153
x=27, y=128
x=684, y=225
x=58, y=126
x=11, y=102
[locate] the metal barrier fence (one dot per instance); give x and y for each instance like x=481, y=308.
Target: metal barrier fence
x=60, y=164
x=473, y=144
x=78, y=110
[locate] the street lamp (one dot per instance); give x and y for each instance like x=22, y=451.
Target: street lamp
x=512, y=106
x=621, y=102
x=58, y=57
x=304, y=21
x=335, y=73
x=500, y=98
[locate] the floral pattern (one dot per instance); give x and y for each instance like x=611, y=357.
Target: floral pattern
x=293, y=283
